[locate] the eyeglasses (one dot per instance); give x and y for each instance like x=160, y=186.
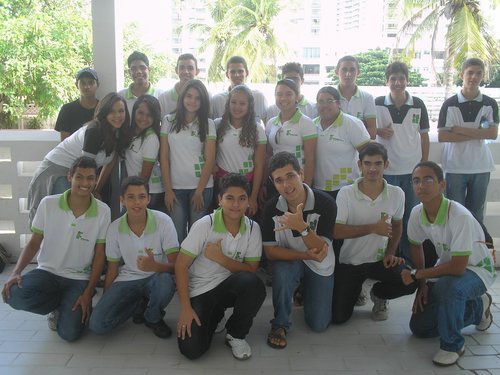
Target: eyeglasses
x=426, y=181
x=326, y=102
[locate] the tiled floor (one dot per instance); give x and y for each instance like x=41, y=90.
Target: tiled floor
x=360, y=347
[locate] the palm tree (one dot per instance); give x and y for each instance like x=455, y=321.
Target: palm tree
x=467, y=30
x=245, y=28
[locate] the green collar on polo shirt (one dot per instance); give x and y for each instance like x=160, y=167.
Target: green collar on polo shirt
x=338, y=121
x=303, y=101
x=149, y=228
x=220, y=227
x=129, y=94
x=357, y=93
x=149, y=131
x=173, y=94
x=294, y=120
x=442, y=215
x=91, y=211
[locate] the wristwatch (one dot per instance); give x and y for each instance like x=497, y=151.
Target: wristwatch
x=306, y=231
x=413, y=274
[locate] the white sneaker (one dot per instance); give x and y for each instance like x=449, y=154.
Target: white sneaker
x=487, y=318
x=380, y=308
x=221, y=326
x=445, y=358
x=362, y=298
x=52, y=320
x=241, y=349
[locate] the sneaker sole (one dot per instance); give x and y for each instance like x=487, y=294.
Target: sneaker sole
x=239, y=359
x=490, y=302
x=379, y=319
x=460, y=353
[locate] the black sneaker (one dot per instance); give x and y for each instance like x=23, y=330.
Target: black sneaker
x=160, y=329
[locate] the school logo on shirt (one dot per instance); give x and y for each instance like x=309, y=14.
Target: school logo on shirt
x=194, y=133
x=359, y=115
x=79, y=236
x=290, y=132
x=313, y=224
x=332, y=138
x=443, y=247
x=415, y=118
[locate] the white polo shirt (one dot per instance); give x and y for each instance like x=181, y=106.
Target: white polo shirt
x=472, y=156
x=356, y=208
x=186, y=153
x=130, y=98
x=168, y=101
x=141, y=151
x=219, y=104
x=291, y=134
x=361, y=105
x=336, y=150
x=306, y=107
x=80, y=143
x=205, y=274
x=455, y=232
x=231, y=156
x=159, y=236
x=404, y=148
x=68, y=243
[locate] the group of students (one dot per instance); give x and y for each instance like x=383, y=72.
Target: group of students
x=336, y=200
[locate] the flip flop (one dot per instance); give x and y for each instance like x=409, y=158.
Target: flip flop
x=277, y=334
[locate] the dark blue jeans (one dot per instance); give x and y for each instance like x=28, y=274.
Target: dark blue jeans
x=123, y=299
x=43, y=292
x=453, y=302
x=317, y=294
x=469, y=190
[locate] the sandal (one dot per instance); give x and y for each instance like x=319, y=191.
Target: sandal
x=276, y=338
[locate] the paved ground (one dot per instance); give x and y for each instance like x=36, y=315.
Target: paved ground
x=360, y=347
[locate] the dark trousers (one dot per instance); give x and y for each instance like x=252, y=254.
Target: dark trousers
x=243, y=291
x=348, y=282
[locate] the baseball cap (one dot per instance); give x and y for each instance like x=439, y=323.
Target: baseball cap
x=87, y=72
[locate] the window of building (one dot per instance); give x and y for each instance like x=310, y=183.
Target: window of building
x=311, y=52
x=311, y=68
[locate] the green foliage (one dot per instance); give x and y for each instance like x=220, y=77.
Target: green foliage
x=245, y=28
x=467, y=31
x=42, y=46
x=372, y=66
x=160, y=64
x=494, y=80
